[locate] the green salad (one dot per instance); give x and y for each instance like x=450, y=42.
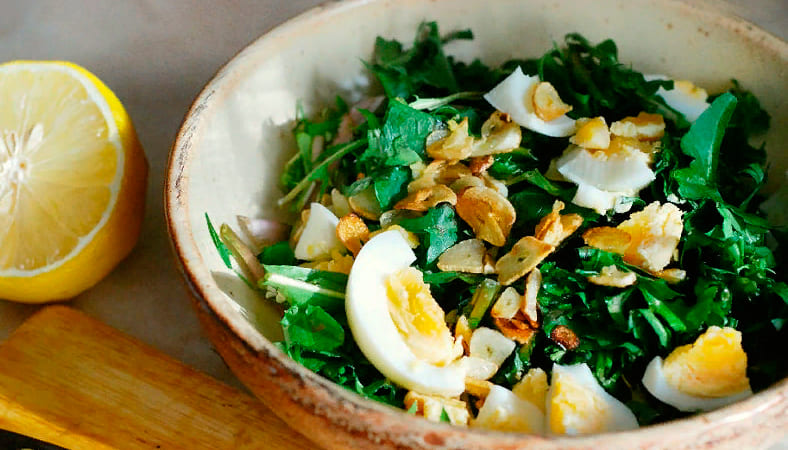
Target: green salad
x=556, y=245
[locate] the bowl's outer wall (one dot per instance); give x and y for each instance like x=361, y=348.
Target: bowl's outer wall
x=237, y=137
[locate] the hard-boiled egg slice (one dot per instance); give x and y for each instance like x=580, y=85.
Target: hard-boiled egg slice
x=685, y=97
x=708, y=374
x=397, y=324
x=319, y=237
x=577, y=404
x=505, y=411
x=514, y=96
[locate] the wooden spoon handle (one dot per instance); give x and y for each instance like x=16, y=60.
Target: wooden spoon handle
x=75, y=382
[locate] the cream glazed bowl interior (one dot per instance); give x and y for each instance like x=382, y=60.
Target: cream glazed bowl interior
x=237, y=136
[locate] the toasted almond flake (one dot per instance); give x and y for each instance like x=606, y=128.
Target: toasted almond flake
x=497, y=185
x=524, y=256
x=516, y=330
x=608, y=238
x=550, y=229
x=565, y=337
x=489, y=214
x=465, y=256
x=500, y=134
x=411, y=238
x=339, y=204
x=298, y=228
x=614, y=277
x=337, y=263
x=478, y=368
x=426, y=198
x=432, y=407
x=547, y=103
x=458, y=145
x=530, y=305
x=507, y=305
x=353, y=232
x=644, y=127
x=592, y=134
x=480, y=164
x=491, y=345
x=467, y=182
x=672, y=276
x=477, y=388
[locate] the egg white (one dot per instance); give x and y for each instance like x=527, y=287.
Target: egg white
x=691, y=107
x=654, y=380
x=504, y=411
x=619, y=416
x=319, y=236
x=367, y=308
x=514, y=95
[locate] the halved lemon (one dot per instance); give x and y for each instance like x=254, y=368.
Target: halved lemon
x=72, y=181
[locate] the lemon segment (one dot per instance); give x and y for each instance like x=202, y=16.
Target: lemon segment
x=72, y=181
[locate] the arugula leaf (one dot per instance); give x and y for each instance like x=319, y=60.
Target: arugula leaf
x=401, y=140
x=279, y=253
x=391, y=185
x=312, y=328
x=702, y=144
x=445, y=416
x=302, y=286
x=437, y=231
x=224, y=252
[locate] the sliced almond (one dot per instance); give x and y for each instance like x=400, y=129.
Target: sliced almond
x=465, y=256
x=570, y=223
x=614, y=277
x=466, y=182
x=477, y=368
x=516, y=330
x=547, y=103
x=426, y=198
x=530, y=304
x=507, y=305
x=491, y=345
x=477, y=388
x=608, y=238
x=489, y=214
x=524, y=256
x=432, y=407
x=410, y=237
x=550, y=229
x=565, y=337
x=339, y=204
x=462, y=330
x=672, y=276
x=500, y=134
x=353, y=232
x=480, y=164
x=458, y=145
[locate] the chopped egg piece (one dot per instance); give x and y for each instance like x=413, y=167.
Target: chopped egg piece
x=397, y=324
x=505, y=411
x=514, y=96
x=644, y=127
x=655, y=234
x=577, y=404
x=592, y=134
x=685, y=97
x=704, y=375
x=533, y=388
x=432, y=407
x=319, y=236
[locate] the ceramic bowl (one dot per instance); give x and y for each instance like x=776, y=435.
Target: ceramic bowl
x=236, y=137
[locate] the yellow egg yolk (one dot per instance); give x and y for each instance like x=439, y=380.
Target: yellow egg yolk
x=418, y=317
x=574, y=408
x=715, y=365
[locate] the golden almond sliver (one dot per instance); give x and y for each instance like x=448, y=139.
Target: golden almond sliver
x=426, y=198
x=547, y=103
x=465, y=256
x=352, y=232
x=524, y=256
x=428, y=176
x=477, y=388
x=530, y=305
x=570, y=223
x=456, y=146
x=516, y=330
x=550, y=229
x=488, y=213
x=466, y=182
x=672, y=276
x=614, y=277
x=507, y=305
x=500, y=134
x=451, y=172
x=480, y=164
x=565, y=337
x=462, y=330
x=608, y=238
x=365, y=204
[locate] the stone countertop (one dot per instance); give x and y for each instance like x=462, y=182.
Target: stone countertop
x=156, y=56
